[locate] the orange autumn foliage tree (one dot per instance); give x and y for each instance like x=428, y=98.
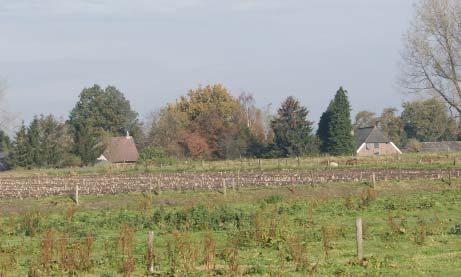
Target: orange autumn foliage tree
x=208, y=122
x=197, y=146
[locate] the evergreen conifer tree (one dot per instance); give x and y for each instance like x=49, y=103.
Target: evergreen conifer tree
x=322, y=131
x=340, y=139
x=292, y=130
x=5, y=142
x=21, y=148
x=34, y=138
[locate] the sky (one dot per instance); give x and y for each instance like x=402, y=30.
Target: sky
x=155, y=50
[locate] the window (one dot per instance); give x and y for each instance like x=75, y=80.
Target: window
x=376, y=145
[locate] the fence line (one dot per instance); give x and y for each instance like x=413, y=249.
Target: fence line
x=24, y=187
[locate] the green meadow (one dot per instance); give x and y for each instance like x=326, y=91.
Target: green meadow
x=410, y=228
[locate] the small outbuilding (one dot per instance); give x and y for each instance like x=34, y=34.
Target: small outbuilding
x=120, y=150
x=371, y=141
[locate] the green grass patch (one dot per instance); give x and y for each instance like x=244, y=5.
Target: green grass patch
x=410, y=228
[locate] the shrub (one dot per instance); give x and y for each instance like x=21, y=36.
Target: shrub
x=182, y=253
x=30, y=223
x=125, y=247
x=366, y=197
x=389, y=204
x=397, y=226
x=413, y=145
x=71, y=160
x=225, y=217
x=256, y=269
x=421, y=232
x=199, y=218
x=209, y=251
x=156, y=156
x=297, y=251
x=425, y=203
x=349, y=203
x=275, y=198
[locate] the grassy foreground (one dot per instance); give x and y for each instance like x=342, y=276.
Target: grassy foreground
x=410, y=228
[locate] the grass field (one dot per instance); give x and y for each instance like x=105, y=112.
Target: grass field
x=410, y=228
x=408, y=160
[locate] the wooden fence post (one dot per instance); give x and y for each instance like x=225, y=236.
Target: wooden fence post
x=260, y=165
x=150, y=253
x=373, y=180
x=359, y=238
x=238, y=178
x=76, y=195
x=224, y=187
x=159, y=186
x=233, y=185
x=203, y=181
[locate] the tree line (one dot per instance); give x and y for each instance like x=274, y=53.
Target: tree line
x=424, y=120
x=210, y=123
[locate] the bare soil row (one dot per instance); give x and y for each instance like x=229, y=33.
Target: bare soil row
x=40, y=186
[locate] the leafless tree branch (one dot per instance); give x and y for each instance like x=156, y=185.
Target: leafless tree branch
x=432, y=57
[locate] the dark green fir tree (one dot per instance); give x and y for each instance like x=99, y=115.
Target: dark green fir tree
x=292, y=130
x=339, y=137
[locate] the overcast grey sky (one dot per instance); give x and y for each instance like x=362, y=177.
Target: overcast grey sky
x=155, y=50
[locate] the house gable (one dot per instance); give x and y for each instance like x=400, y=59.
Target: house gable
x=372, y=141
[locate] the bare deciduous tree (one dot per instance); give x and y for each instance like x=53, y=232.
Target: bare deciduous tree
x=432, y=58
x=252, y=116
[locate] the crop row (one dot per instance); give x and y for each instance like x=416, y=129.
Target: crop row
x=24, y=187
